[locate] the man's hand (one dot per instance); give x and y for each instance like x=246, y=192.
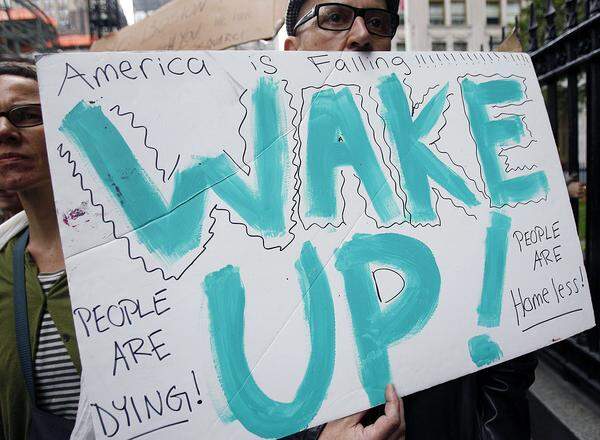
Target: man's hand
x=576, y=190
x=389, y=426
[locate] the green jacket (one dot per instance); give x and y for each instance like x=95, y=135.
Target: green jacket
x=14, y=400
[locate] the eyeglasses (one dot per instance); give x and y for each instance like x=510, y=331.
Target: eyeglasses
x=340, y=17
x=25, y=115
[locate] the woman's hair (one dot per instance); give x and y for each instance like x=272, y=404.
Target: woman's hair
x=18, y=67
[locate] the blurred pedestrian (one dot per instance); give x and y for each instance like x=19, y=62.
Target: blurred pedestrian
x=575, y=187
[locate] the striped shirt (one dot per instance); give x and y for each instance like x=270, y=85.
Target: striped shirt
x=56, y=379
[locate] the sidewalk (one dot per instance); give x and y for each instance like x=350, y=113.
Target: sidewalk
x=559, y=411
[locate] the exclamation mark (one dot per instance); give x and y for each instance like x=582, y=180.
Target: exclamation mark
x=482, y=348
x=199, y=401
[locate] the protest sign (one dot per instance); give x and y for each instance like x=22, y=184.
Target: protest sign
x=257, y=242
x=198, y=24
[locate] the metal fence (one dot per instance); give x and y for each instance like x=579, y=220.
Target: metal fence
x=567, y=62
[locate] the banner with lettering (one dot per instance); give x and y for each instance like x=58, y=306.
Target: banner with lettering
x=258, y=242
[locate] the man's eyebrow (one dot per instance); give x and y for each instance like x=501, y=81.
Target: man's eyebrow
x=33, y=100
x=24, y=93
x=21, y=92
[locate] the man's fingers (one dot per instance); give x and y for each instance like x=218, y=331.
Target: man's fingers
x=342, y=428
x=354, y=419
x=390, y=425
x=392, y=403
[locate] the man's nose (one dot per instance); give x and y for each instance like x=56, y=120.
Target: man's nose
x=359, y=36
x=7, y=130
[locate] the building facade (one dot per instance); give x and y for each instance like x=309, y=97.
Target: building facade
x=43, y=25
x=71, y=15
x=454, y=24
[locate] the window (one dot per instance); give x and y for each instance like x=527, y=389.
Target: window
x=460, y=46
x=436, y=12
x=458, y=11
x=401, y=14
x=438, y=45
x=401, y=46
x=493, y=11
x=513, y=8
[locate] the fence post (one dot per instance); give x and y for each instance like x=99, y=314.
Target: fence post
x=571, y=7
x=533, y=28
x=573, y=106
x=593, y=176
x=550, y=21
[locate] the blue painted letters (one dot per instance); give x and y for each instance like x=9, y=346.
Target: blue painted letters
x=336, y=138
x=417, y=161
x=490, y=135
x=256, y=411
x=376, y=329
x=173, y=229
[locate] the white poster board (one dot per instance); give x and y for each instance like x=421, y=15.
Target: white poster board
x=257, y=242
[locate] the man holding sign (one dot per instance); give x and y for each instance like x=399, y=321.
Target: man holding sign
x=350, y=34
x=374, y=149
x=490, y=404
x=20, y=85
x=314, y=25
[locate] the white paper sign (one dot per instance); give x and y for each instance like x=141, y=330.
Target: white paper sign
x=257, y=242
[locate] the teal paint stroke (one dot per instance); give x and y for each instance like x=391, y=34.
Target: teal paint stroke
x=484, y=350
x=257, y=412
x=171, y=229
x=417, y=162
x=376, y=329
x=491, y=135
x=496, y=249
x=263, y=208
x=337, y=138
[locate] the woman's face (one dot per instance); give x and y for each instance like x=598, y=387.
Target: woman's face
x=23, y=159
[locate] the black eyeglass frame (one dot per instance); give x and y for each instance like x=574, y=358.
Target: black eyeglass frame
x=7, y=115
x=358, y=12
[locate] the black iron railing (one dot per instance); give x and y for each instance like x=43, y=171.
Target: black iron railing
x=567, y=62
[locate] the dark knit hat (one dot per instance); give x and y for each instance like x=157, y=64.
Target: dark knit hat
x=294, y=9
